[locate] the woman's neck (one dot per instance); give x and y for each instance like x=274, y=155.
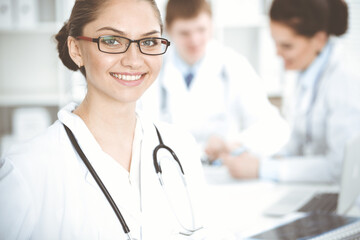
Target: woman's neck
x=113, y=126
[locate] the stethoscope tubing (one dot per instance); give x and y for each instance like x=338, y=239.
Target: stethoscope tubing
x=160, y=146
x=158, y=170
x=317, y=85
x=98, y=181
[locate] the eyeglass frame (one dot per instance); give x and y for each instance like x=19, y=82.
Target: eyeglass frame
x=97, y=40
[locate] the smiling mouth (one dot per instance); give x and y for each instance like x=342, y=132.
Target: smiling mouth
x=126, y=77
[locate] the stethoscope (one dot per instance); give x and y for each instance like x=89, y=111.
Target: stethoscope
x=318, y=77
x=158, y=171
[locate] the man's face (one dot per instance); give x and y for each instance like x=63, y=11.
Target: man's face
x=191, y=36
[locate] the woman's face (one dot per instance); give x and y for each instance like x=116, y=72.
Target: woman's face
x=120, y=77
x=296, y=50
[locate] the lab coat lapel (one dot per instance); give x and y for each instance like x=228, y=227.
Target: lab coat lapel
x=106, y=168
x=208, y=77
x=186, y=101
x=210, y=69
x=173, y=80
x=116, y=184
x=84, y=138
x=177, y=95
x=212, y=104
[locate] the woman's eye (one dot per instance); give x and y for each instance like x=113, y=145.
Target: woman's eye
x=149, y=42
x=110, y=41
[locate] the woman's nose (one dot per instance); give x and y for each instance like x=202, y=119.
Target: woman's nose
x=133, y=56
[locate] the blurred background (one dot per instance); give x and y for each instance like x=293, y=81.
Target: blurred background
x=34, y=84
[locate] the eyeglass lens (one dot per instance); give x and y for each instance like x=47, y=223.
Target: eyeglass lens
x=116, y=44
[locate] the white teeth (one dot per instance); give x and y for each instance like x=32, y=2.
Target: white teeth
x=126, y=77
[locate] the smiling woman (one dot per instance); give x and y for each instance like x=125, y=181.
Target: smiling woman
x=60, y=184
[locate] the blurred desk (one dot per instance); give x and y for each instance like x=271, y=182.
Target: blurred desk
x=237, y=206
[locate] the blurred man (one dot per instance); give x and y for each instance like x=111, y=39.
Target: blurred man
x=211, y=90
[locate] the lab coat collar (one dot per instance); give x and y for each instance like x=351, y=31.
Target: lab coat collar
x=185, y=68
x=213, y=59
x=78, y=127
x=150, y=141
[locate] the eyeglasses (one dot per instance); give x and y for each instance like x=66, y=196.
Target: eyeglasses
x=117, y=44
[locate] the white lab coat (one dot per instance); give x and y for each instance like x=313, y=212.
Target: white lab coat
x=46, y=192
x=335, y=119
x=226, y=98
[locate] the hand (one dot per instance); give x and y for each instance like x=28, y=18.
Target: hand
x=244, y=166
x=215, y=146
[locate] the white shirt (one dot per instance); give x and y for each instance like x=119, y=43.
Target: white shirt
x=322, y=119
x=48, y=193
x=226, y=98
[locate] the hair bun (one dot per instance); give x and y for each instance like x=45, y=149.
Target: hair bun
x=338, y=17
x=61, y=38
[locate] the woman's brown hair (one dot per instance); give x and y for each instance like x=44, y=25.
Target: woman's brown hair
x=307, y=17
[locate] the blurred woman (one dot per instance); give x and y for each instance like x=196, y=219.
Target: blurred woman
x=324, y=109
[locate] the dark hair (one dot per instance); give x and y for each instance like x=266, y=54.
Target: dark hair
x=84, y=12
x=307, y=17
x=185, y=9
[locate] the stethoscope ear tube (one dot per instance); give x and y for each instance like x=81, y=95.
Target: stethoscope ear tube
x=156, y=163
x=160, y=146
x=98, y=181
